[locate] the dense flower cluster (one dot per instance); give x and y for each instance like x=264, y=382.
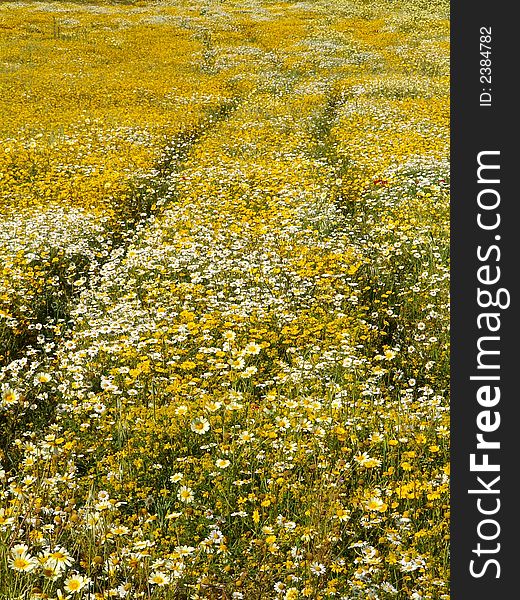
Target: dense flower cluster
x=224, y=300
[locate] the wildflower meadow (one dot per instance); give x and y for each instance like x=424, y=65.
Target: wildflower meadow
x=224, y=311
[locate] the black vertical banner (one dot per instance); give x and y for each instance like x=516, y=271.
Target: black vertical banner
x=485, y=369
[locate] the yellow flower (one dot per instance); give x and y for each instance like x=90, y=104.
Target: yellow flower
x=58, y=557
x=42, y=378
x=246, y=436
x=23, y=562
x=200, y=425
x=159, y=578
x=185, y=494
x=252, y=348
x=367, y=461
x=342, y=514
x=376, y=504
x=75, y=583
x=10, y=397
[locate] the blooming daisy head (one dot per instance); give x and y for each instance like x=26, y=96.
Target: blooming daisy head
x=23, y=563
x=120, y=530
x=237, y=363
x=159, y=578
x=342, y=514
x=75, y=583
x=213, y=406
x=361, y=458
x=184, y=550
x=200, y=425
x=59, y=557
x=51, y=571
x=42, y=378
x=376, y=504
x=253, y=348
x=10, y=396
x=249, y=371
x=185, y=494
x=19, y=549
x=317, y=569
x=246, y=436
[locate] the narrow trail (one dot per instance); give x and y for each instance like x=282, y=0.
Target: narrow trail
x=147, y=196
x=246, y=396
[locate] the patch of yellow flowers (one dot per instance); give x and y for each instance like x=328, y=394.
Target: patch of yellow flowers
x=224, y=300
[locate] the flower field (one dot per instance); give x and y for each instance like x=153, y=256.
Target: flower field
x=224, y=311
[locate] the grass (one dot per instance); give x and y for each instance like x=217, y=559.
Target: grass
x=224, y=304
